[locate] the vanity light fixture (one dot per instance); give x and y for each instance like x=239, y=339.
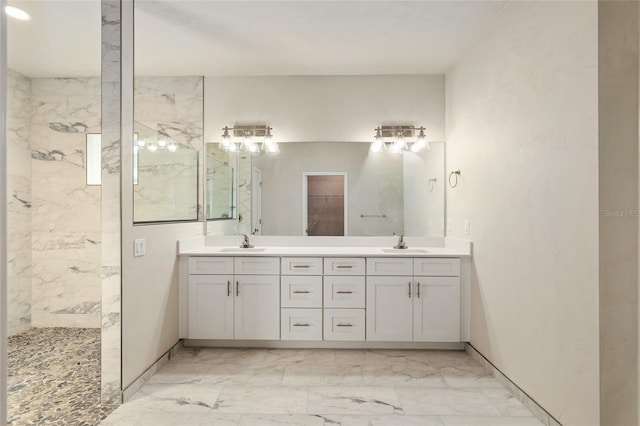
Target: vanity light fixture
x=396, y=139
x=248, y=138
x=17, y=13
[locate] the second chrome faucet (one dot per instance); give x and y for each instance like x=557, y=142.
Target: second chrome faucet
x=245, y=242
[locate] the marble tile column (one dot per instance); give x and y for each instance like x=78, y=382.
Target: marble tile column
x=3, y=215
x=111, y=364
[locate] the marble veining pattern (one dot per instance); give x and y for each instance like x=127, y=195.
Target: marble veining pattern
x=171, y=107
x=321, y=387
x=110, y=270
x=54, y=377
x=65, y=211
x=19, y=203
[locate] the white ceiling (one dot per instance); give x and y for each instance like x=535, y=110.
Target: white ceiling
x=224, y=38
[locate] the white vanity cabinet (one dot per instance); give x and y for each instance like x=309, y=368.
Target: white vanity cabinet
x=311, y=300
x=403, y=306
x=234, y=298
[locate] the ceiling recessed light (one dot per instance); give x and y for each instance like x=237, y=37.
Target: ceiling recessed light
x=17, y=13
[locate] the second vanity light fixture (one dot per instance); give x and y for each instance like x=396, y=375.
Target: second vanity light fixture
x=249, y=138
x=395, y=139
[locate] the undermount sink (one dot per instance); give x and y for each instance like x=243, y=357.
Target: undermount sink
x=408, y=251
x=242, y=250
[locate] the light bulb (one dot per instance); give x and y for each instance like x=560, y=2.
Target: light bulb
x=17, y=13
x=378, y=142
x=162, y=143
x=232, y=147
x=141, y=143
x=152, y=148
x=172, y=147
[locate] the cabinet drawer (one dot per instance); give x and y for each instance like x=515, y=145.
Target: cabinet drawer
x=389, y=266
x=436, y=267
x=301, y=265
x=344, y=324
x=301, y=324
x=344, y=292
x=301, y=292
x=210, y=265
x=343, y=266
x=257, y=265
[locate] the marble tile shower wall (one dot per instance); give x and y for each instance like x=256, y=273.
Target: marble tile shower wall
x=172, y=106
x=66, y=229
x=54, y=217
x=19, y=206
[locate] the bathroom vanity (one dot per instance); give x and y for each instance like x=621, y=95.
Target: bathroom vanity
x=351, y=292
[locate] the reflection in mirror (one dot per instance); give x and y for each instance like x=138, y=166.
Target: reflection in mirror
x=386, y=193
x=220, y=184
x=167, y=178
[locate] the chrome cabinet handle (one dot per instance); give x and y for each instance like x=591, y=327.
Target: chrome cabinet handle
x=344, y=325
x=228, y=288
x=344, y=266
x=237, y=288
x=409, y=289
x=418, y=290
x=301, y=291
x=302, y=266
x=301, y=325
x=344, y=292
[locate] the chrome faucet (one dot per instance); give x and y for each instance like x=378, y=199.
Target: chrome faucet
x=401, y=244
x=245, y=242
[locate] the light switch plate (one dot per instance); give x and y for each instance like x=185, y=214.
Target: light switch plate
x=467, y=227
x=139, y=247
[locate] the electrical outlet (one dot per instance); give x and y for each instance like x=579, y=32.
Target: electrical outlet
x=467, y=227
x=139, y=247
x=198, y=228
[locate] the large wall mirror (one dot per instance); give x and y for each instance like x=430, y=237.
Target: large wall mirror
x=359, y=193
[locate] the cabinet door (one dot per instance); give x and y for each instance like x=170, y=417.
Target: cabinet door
x=210, y=307
x=257, y=307
x=436, y=309
x=389, y=308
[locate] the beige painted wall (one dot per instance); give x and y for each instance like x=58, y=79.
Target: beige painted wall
x=150, y=296
x=324, y=108
x=522, y=114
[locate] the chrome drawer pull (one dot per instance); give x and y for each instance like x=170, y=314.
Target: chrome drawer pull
x=301, y=266
x=237, y=288
x=301, y=292
x=344, y=292
x=344, y=325
x=344, y=266
x=409, y=289
x=418, y=290
x=228, y=288
x=301, y=325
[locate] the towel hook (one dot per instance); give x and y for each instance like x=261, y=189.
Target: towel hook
x=454, y=174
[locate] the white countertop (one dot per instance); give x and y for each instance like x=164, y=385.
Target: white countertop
x=324, y=251
x=228, y=245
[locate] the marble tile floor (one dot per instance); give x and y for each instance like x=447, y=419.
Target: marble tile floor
x=256, y=387
x=54, y=377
